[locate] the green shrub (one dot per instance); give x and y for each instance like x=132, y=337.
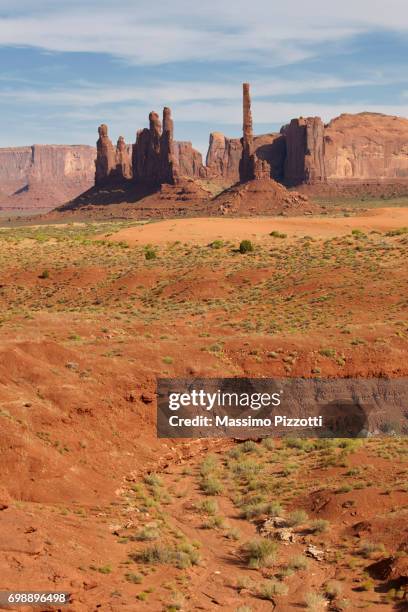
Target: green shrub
x=246, y=246
x=297, y=517
x=147, y=534
x=150, y=253
x=153, y=480
x=259, y=552
x=217, y=244
x=182, y=557
x=134, y=578
x=271, y=588
x=44, y=274
x=276, y=234
x=299, y=562
x=209, y=506
x=211, y=486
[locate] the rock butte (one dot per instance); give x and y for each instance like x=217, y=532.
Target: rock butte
x=44, y=175
x=351, y=151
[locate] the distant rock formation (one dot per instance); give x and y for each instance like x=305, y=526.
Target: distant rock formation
x=105, y=164
x=257, y=192
x=353, y=153
x=248, y=162
x=224, y=155
x=251, y=167
x=153, y=158
x=44, y=176
x=366, y=147
x=123, y=161
x=305, y=159
x=188, y=160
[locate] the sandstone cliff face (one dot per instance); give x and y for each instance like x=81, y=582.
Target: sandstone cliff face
x=224, y=155
x=44, y=175
x=366, y=146
x=15, y=163
x=305, y=153
x=188, y=160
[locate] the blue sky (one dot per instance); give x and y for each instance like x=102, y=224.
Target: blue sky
x=67, y=67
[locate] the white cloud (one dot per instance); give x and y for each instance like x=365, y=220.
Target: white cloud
x=144, y=33
x=84, y=94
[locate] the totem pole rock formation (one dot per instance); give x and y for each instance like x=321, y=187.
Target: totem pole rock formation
x=247, y=163
x=105, y=162
x=153, y=157
x=251, y=167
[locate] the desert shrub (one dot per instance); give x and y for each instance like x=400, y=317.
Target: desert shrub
x=333, y=589
x=344, y=489
x=367, y=585
x=209, y=465
x=244, y=582
x=366, y=548
x=209, y=506
x=271, y=588
x=217, y=244
x=299, y=562
x=252, y=510
x=246, y=246
x=211, y=486
x=247, y=468
x=182, y=557
x=315, y=602
x=150, y=253
x=214, y=522
x=357, y=233
x=259, y=552
x=147, y=534
x=276, y=234
x=153, y=555
x=153, y=480
x=134, y=578
x=44, y=274
x=327, y=352
x=319, y=526
x=249, y=446
x=268, y=443
x=233, y=534
x=297, y=517
x=397, y=232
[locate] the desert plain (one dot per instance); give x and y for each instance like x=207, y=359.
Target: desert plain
x=93, y=503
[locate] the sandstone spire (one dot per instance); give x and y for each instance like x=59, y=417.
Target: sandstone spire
x=167, y=170
x=105, y=162
x=250, y=167
x=246, y=166
x=153, y=157
x=123, y=163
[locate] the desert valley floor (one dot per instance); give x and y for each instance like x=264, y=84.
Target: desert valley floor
x=92, y=503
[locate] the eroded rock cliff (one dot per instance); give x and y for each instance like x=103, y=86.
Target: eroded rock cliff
x=366, y=146
x=43, y=176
